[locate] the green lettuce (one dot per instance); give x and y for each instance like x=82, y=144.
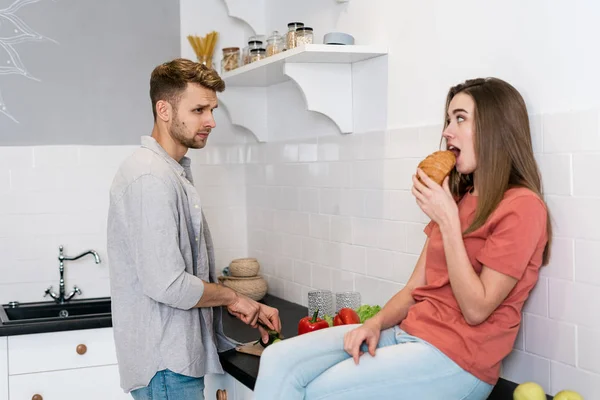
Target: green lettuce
x=329, y=319
x=366, y=311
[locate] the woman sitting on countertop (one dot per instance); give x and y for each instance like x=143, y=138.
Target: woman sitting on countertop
x=445, y=334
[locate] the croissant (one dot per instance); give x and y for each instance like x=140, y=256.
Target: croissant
x=438, y=165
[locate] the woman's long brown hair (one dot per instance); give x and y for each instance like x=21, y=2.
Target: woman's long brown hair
x=503, y=149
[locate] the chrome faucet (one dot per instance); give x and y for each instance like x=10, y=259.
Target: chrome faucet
x=60, y=297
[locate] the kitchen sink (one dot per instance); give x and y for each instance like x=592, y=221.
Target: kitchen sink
x=29, y=313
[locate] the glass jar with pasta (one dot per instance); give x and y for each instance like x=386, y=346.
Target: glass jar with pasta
x=257, y=54
x=304, y=35
x=231, y=59
x=253, y=43
x=275, y=44
x=291, y=34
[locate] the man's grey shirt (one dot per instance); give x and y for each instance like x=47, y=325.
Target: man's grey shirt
x=160, y=251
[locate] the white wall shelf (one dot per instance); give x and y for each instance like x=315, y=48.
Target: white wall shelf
x=330, y=77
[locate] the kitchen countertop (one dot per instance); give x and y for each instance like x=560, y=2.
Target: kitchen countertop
x=244, y=367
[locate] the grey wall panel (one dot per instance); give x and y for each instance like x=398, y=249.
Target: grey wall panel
x=78, y=71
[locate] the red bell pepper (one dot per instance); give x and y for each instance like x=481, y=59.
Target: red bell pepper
x=311, y=324
x=346, y=316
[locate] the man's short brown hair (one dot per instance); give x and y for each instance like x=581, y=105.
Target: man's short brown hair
x=170, y=79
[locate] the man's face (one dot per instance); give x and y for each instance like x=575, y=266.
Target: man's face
x=193, y=119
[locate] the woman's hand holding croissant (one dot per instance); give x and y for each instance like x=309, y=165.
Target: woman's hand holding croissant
x=436, y=201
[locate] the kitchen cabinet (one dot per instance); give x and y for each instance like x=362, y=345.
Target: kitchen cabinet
x=97, y=383
x=77, y=364
x=61, y=365
x=61, y=350
x=3, y=368
x=242, y=392
x=234, y=388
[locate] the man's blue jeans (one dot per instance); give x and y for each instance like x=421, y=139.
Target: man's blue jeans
x=167, y=384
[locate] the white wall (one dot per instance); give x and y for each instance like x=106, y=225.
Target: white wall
x=336, y=211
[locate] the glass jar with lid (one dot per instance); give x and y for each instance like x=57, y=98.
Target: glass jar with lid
x=231, y=59
x=254, y=42
x=291, y=34
x=304, y=35
x=275, y=44
x=257, y=54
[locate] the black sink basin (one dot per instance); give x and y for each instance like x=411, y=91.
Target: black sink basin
x=29, y=313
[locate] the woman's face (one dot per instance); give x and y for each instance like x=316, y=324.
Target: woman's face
x=460, y=132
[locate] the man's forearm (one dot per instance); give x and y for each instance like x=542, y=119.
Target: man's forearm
x=216, y=295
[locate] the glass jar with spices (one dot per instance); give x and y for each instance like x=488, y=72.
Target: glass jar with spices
x=291, y=34
x=304, y=35
x=275, y=44
x=257, y=54
x=231, y=59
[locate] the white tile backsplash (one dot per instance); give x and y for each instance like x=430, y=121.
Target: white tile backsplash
x=16, y=157
x=588, y=349
x=566, y=377
x=560, y=345
x=520, y=366
x=571, y=302
x=561, y=263
x=353, y=258
x=55, y=156
x=341, y=229
x=585, y=167
x=556, y=173
x=572, y=215
x=587, y=262
x=538, y=299
x=575, y=131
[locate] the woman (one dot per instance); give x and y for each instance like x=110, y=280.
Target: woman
x=445, y=334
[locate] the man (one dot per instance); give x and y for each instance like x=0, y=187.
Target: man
x=162, y=270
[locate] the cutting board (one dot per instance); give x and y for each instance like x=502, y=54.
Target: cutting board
x=252, y=348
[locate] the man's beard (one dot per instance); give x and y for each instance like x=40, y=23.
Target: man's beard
x=178, y=132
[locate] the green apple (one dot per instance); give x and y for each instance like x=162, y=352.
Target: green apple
x=568, y=395
x=529, y=391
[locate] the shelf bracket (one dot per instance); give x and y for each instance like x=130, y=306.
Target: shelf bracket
x=336, y=101
x=251, y=12
x=247, y=107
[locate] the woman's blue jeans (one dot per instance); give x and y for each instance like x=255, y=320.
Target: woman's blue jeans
x=315, y=366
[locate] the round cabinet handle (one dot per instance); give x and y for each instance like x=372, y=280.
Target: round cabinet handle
x=81, y=350
x=221, y=394
x=37, y=397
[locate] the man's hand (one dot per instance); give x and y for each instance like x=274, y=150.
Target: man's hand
x=256, y=315
x=269, y=317
x=245, y=309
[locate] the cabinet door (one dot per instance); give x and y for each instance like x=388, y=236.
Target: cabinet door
x=97, y=383
x=3, y=368
x=242, y=392
x=214, y=382
x=61, y=350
